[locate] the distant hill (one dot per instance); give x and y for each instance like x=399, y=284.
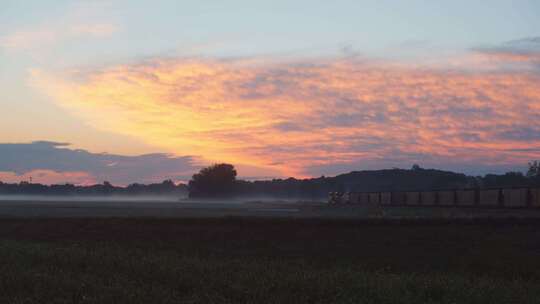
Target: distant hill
x=381, y=180
x=400, y=179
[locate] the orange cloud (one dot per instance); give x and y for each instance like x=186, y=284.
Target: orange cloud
x=296, y=116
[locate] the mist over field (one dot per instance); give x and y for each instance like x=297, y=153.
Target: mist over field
x=151, y=198
x=83, y=198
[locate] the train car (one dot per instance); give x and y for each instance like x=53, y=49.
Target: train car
x=354, y=198
x=385, y=198
x=515, y=197
x=535, y=197
x=429, y=198
x=364, y=198
x=399, y=198
x=446, y=198
x=373, y=198
x=489, y=197
x=412, y=198
x=346, y=198
x=466, y=197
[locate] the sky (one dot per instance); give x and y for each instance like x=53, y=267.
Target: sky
x=142, y=91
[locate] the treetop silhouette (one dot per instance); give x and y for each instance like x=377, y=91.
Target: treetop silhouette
x=218, y=180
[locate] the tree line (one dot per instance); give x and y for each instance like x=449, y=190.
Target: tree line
x=167, y=187
x=220, y=180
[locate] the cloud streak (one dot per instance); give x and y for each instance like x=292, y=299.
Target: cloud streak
x=51, y=162
x=34, y=38
x=302, y=116
x=78, y=20
x=521, y=54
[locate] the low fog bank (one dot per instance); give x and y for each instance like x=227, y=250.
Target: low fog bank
x=97, y=198
x=253, y=200
x=156, y=199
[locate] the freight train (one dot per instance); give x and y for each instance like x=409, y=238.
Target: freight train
x=499, y=197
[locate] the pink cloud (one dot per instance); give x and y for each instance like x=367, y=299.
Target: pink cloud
x=299, y=115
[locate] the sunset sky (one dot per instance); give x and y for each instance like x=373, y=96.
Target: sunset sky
x=141, y=91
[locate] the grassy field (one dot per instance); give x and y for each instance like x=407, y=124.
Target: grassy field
x=235, y=260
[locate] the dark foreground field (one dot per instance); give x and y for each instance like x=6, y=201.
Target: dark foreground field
x=234, y=260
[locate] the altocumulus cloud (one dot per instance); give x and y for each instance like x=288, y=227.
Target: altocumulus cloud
x=51, y=162
x=523, y=53
x=305, y=117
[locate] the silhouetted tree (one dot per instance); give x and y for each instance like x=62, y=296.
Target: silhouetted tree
x=218, y=180
x=534, y=169
x=416, y=167
x=107, y=188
